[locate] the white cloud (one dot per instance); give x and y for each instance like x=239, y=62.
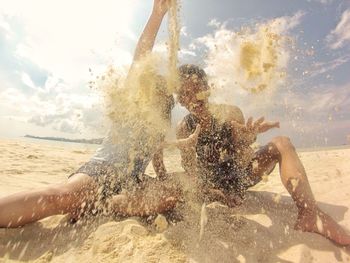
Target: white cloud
x=12, y=102
x=285, y=23
x=183, y=31
x=312, y=117
x=26, y=79
x=65, y=37
x=340, y=36
x=62, y=39
x=6, y=28
x=325, y=100
x=214, y=23
x=325, y=2
x=186, y=52
x=319, y=68
x=309, y=117
x=224, y=57
x=54, y=106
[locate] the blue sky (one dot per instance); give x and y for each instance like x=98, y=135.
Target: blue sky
x=47, y=49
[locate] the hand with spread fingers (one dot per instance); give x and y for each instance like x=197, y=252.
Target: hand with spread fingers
x=191, y=141
x=268, y=125
x=247, y=133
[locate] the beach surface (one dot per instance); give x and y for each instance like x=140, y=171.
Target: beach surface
x=261, y=230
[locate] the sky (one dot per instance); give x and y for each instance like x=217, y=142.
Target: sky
x=50, y=50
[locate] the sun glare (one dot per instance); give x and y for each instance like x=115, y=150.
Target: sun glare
x=66, y=36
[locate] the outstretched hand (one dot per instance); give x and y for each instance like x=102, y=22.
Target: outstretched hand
x=161, y=7
x=191, y=141
x=248, y=132
x=265, y=126
x=188, y=142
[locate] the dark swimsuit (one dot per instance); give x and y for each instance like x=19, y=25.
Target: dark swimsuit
x=217, y=158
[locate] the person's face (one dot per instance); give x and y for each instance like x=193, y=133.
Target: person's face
x=194, y=97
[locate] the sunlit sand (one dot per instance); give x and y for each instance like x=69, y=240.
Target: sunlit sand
x=260, y=230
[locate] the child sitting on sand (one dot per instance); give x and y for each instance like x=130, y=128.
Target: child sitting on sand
x=227, y=166
x=119, y=163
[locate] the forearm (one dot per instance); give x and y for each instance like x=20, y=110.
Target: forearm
x=179, y=143
x=149, y=34
x=182, y=142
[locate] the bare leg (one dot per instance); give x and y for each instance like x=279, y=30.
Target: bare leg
x=26, y=207
x=147, y=201
x=293, y=176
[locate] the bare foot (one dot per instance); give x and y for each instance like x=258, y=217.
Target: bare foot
x=316, y=221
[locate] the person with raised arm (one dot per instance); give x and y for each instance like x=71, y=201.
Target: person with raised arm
x=118, y=164
x=226, y=165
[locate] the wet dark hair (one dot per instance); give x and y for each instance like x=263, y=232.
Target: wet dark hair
x=194, y=73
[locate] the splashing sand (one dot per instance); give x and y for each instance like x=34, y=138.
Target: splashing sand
x=141, y=95
x=174, y=45
x=259, y=58
x=251, y=61
x=138, y=103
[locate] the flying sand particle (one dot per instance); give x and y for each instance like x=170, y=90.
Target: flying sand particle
x=203, y=220
x=277, y=198
x=319, y=224
x=294, y=183
x=161, y=223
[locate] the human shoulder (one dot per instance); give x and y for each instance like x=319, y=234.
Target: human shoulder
x=226, y=113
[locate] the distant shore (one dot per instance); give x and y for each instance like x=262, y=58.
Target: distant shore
x=84, y=141
x=99, y=141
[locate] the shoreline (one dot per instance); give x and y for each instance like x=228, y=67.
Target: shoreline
x=94, y=146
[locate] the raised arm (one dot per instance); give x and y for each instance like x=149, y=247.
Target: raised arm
x=149, y=34
x=184, y=144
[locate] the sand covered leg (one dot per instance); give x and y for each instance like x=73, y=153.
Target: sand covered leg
x=317, y=221
x=26, y=207
x=293, y=177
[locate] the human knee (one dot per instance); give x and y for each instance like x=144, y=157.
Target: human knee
x=57, y=197
x=56, y=192
x=283, y=143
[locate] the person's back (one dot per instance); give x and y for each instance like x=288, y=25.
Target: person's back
x=280, y=150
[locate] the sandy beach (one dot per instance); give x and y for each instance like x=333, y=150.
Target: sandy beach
x=261, y=230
